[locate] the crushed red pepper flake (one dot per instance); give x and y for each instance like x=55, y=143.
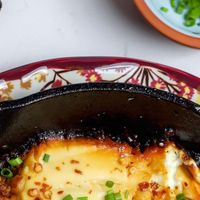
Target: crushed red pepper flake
x=37, y=167
x=42, y=190
x=33, y=192
x=143, y=186
x=47, y=194
x=45, y=188
x=90, y=192
x=37, y=183
x=154, y=185
x=185, y=184
x=154, y=192
x=58, y=168
x=159, y=193
x=45, y=185
x=60, y=192
x=74, y=162
x=78, y=171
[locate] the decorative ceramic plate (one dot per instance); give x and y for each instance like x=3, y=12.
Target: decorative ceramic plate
x=169, y=23
x=43, y=75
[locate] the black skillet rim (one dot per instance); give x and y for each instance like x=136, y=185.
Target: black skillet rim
x=83, y=87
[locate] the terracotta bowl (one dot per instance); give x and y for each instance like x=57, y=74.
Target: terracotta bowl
x=168, y=24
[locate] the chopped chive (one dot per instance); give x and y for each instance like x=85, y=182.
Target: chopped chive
x=194, y=13
x=173, y=3
x=82, y=198
x=180, y=8
x=189, y=22
x=126, y=194
x=118, y=196
x=109, y=184
x=5, y=172
x=190, y=10
x=180, y=196
x=68, y=197
x=110, y=196
x=110, y=192
x=164, y=9
x=15, y=162
x=46, y=157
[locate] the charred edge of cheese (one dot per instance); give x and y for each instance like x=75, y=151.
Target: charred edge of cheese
x=82, y=167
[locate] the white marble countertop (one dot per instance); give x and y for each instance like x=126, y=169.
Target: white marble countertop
x=32, y=30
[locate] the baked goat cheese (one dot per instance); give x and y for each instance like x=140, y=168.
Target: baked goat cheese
x=97, y=170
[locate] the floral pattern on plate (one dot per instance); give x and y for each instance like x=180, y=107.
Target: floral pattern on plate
x=45, y=77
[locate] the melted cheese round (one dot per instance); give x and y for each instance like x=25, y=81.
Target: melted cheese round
x=81, y=168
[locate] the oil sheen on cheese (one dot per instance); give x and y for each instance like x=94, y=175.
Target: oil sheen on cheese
x=82, y=167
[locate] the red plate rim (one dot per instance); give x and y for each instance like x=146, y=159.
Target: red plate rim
x=93, y=62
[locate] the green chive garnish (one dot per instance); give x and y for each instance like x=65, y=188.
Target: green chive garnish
x=173, y=3
x=82, y=198
x=190, y=9
x=5, y=172
x=118, y=196
x=68, y=197
x=180, y=8
x=110, y=196
x=46, y=157
x=110, y=192
x=15, y=162
x=189, y=22
x=126, y=194
x=180, y=196
x=164, y=9
x=109, y=184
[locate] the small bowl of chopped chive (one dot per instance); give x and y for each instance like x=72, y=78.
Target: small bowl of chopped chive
x=177, y=19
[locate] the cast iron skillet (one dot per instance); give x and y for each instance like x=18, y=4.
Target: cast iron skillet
x=138, y=115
